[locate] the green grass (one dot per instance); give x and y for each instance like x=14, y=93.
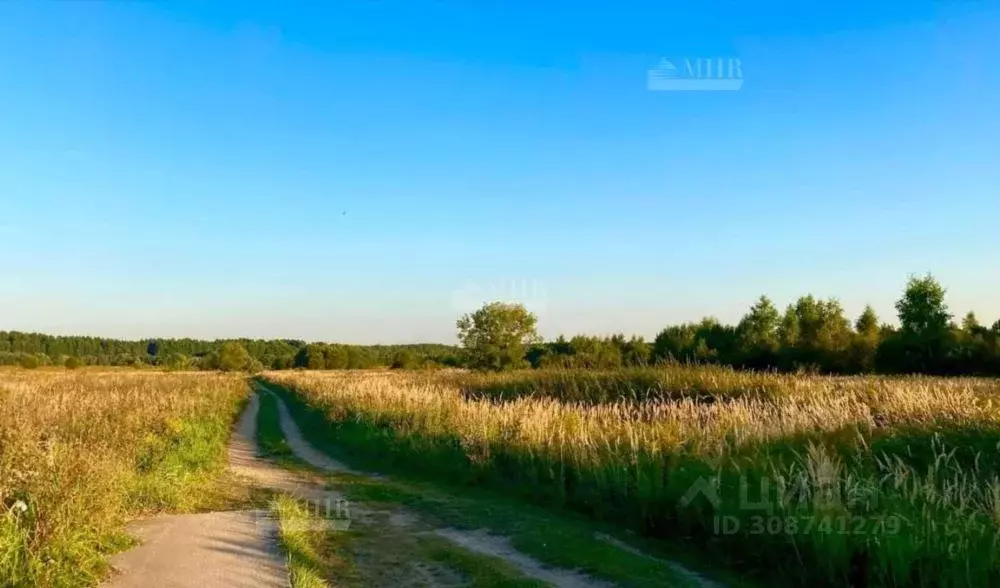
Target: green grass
x=270, y=439
x=180, y=470
x=480, y=570
x=560, y=539
x=314, y=555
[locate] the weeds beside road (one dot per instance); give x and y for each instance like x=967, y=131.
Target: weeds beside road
x=81, y=452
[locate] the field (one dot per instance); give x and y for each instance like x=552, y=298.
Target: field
x=785, y=479
x=795, y=480
x=81, y=452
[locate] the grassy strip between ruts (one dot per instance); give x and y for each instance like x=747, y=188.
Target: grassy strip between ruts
x=319, y=558
x=270, y=440
x=560, y=539
x=482, y=571
x=316, y=556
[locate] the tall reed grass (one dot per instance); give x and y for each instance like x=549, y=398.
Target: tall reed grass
x=806, y=480
x=82, y=451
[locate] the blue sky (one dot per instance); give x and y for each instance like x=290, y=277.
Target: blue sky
x=365, y=172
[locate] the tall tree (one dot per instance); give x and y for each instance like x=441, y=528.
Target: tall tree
x=923, y=313
x=867, y=325
x=496, y=336
x=759, y=327
x=788, y=329
x=970, y=324
x=925, y=332
x=864, y=348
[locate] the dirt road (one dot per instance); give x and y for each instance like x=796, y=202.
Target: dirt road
x=231, y=549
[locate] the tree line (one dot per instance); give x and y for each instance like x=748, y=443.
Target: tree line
x=35, y=349
x=811, y=335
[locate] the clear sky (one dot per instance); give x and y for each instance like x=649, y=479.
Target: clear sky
x=366, y=171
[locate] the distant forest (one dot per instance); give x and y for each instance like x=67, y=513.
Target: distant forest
x=811, y=335
x=38, y=349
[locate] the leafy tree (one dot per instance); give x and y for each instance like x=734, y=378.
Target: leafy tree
x=707, y=341
x=337, y=357
x=253, y=365
x=592, y=352
x=824, y=335
x=312, y=356
x=674, y=343
x=72, y=362
x=868, y=337
x=283, y=362
x=30, y=362
x=178, y=361
x=923, y=314
x=759, y=327
x=867, y=325
x=788, y=329
x=357, y=359
x=636, y=352
x=233, y=357
x=970, y=324
x=757, y=333
x=924, y=327
x=496, y=336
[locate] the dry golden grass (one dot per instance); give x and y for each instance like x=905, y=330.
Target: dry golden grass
x=81, y=451
x=920, y=451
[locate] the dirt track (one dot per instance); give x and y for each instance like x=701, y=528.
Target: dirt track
x=240, y=549
x=211, y=549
